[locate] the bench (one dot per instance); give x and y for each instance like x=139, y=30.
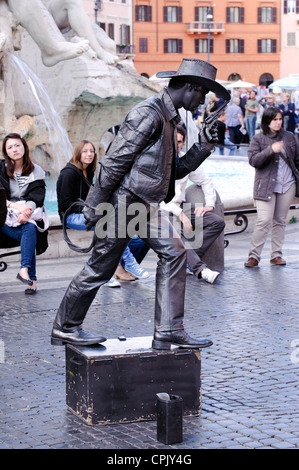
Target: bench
x=7, y=243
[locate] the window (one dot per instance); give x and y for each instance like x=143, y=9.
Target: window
x=266, y=15
x=201, y=13
x=201, y=45
x=172, y=14
x=125, y=35
x=235, y=46
x=266, y=79
x=291, y=6
x=233, y=77
x=291, y=39
x=143, y=45
x=143, y=13
x=235, y=15
x=173, y=46
x=266, y=46
x=111, y=30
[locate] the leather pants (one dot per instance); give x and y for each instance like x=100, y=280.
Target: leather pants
x=106, y=254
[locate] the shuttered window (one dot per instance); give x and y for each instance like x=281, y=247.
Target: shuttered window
x=143, y=13
x=234, y=46
x=172, y=14
x=172, y=46
x=266, y=46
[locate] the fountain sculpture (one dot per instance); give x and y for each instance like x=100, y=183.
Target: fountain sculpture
x=53, y=70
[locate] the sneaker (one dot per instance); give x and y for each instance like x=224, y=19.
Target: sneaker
x=209, y=276
x=188, y=270
x=135, y=269
x=112, y=283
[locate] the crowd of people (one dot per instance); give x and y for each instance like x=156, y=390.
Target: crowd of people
x=242, y=117
x=139, y=177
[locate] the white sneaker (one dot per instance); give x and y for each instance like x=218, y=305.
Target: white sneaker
x=112, y=283
x=188, y=270
x=209, y=276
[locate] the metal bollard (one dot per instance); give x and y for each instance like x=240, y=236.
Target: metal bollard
x=169, y=418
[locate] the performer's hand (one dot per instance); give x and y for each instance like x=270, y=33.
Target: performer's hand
x=90, y=219
x=209, y=134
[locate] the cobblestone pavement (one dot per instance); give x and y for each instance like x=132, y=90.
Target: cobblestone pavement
x=250, y=394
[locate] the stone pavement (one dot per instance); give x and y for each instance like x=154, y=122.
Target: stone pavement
x=250, y=393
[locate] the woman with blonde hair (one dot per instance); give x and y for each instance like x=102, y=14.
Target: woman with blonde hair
x=74, y=182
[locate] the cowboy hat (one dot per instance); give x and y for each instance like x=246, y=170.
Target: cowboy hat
x=201, y=72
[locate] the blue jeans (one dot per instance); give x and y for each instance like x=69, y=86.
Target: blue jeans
x=76, y=221
x=250, y=126
x=26, y=235
x=232, y=148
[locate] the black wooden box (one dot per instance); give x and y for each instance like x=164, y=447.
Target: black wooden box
x=117, y=382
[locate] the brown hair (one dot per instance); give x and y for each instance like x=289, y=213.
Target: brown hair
x=28, y=166
x=76, y=158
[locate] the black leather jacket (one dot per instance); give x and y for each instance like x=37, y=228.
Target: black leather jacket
x=143, y=156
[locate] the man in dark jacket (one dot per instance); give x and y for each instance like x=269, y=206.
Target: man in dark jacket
x=140, y=168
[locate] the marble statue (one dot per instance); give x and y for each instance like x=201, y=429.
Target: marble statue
x=44, y=21
x=90, y=88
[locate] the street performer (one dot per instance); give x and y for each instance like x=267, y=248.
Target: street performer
x=141, y=167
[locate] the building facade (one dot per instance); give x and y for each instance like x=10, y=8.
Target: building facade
x=289, y=59
x=115, y=18
x=240, y=37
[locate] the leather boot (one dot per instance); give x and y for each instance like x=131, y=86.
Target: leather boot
x=164, y=340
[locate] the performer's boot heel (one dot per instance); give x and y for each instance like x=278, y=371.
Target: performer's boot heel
x=57, y=342
x=161, y=345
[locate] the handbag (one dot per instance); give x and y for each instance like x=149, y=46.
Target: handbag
x=39, y=214
x=294, y=170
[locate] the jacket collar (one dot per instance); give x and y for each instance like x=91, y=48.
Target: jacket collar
x=168, y=106
x=276, y=135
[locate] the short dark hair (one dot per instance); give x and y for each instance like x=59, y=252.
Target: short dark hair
x=181, y=130
x=268, y=116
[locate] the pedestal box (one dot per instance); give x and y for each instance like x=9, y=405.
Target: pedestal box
x=117, y=382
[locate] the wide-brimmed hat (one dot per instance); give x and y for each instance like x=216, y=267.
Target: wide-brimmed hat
x=201, y=72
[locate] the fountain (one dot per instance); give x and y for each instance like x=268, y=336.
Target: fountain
x=57, y=101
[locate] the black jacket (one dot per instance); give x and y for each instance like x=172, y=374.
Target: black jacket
x=3, y=209
x=71, y=186
x=143, y=155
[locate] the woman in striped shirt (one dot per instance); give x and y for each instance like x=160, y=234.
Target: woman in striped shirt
x=25, y=190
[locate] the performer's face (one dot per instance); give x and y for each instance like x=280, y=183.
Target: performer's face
x=193, y=97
